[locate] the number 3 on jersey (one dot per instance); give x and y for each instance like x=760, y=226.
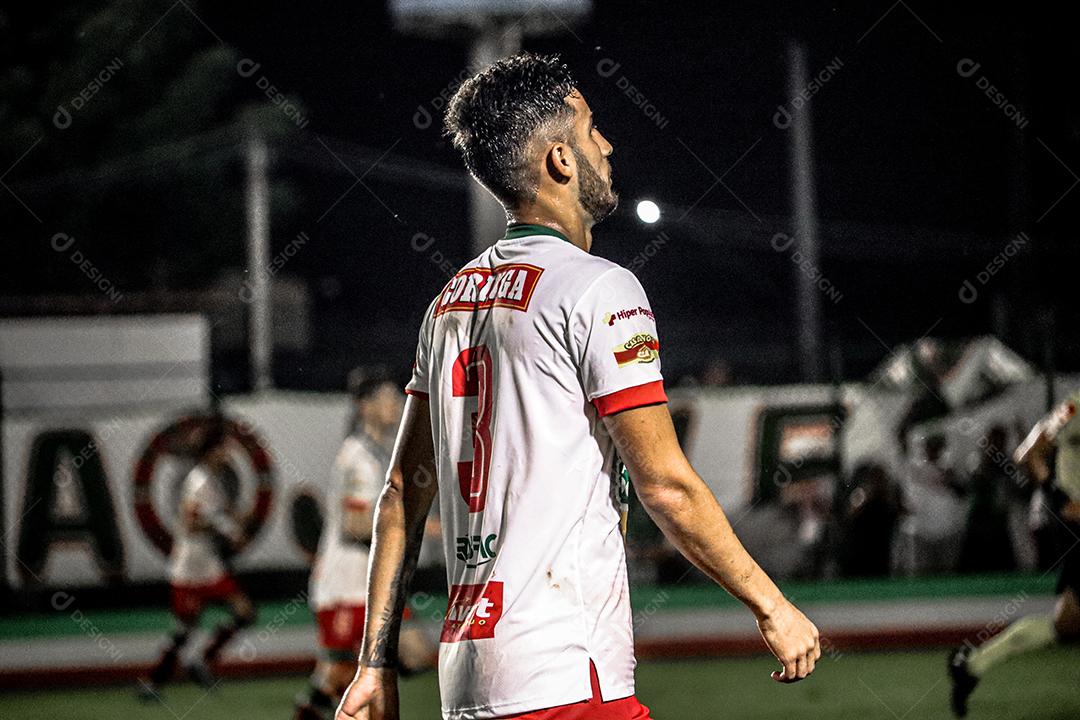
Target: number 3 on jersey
x=472, y=377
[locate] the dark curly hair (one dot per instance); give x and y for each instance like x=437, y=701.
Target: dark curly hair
x=495, y=115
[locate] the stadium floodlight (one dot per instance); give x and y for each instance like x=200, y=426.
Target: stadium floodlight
x=648, y=212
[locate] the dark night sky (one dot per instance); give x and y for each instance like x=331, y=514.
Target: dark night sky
x=904, y=146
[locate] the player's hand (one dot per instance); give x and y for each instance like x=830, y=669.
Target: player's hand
x=793, y=639
x=372, y=695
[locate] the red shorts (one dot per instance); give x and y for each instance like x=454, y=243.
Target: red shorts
x=595, y=709
x=188, y=601
x=341, y=630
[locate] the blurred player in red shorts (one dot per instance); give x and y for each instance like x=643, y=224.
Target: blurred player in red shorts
x=208, y=534
x=339, y=578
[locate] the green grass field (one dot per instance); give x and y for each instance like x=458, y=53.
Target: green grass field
x=904, y=685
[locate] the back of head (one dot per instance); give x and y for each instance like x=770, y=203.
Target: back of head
x=362, y=382
x=496, y=116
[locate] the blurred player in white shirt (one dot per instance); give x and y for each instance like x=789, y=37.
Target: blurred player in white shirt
x=207, y=535
x=1050, y=454
x=537, y=366
x=339, y=578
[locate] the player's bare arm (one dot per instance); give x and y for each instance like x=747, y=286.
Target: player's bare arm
x=686, y=511
x=1033, y=454
x=400, y=517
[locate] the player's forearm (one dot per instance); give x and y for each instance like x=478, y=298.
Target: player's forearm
x=693, y=520
x=399, y=529
x=1033, y=454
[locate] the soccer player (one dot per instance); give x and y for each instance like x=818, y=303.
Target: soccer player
x=537, y=365
x=339, y=578
x=207, y=535
x=1059, y=430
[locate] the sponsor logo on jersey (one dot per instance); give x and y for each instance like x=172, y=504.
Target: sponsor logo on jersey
x=610, y=318
x=472, y=612
x=475, y=550
x=641, y=348
x=479, y=288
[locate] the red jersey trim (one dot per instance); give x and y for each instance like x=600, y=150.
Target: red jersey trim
x=651, y=393
x=417, y=393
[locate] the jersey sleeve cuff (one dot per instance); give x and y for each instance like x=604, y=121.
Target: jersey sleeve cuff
x=650, y=393
x=417, y=393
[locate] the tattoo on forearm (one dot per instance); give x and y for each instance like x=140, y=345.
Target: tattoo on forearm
x=383, y=652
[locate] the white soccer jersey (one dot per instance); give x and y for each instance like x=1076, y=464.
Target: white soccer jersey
x=523, y=352
x=340, y=573
x=196, y=559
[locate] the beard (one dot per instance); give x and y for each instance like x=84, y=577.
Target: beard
x=596, y=196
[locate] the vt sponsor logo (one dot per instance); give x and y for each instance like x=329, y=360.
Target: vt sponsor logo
x=473, y=612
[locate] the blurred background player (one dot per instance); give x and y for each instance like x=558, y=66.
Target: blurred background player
x=933, y=528
x=339, y=578
x=207, y=535
x=1058, y=432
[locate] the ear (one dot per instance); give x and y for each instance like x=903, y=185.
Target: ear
x=560, y=163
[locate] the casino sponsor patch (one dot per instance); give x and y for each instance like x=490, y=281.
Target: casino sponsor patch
x=641, y=348
x=472, y=612
x=478, y=288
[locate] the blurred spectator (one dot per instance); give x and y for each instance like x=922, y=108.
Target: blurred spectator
x=811, y=500
x=987, y=544
x=869, y=518
x=717, y=373
x=929, y=366
x=933, y=528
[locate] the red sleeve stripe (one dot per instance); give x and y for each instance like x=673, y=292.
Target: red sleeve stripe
x=651, y=393
x=417, y=393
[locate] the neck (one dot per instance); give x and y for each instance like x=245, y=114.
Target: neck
x=557, y=216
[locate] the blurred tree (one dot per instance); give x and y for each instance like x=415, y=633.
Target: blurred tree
x=122, y=124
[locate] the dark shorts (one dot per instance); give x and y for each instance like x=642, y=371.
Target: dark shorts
x=1070, y=563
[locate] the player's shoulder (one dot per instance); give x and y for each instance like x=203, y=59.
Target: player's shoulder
x=581, y=273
